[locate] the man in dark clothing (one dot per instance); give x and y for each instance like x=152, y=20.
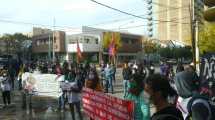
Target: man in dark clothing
x=126, y=73
x=12, y=74
x=158, y=90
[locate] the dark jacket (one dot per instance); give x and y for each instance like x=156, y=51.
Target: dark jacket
x=187, y=83
x=126, y=73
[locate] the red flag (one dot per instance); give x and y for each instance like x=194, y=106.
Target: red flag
x=79, y=55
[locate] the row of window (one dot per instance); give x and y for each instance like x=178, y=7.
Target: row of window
x=45, y=41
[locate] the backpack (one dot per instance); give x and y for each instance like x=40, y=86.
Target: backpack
x=204, y=100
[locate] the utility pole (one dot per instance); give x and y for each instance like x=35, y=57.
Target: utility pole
x=192, y=23
x=53, y=42
x=49, y=53
x=196, y=46
x=195, y=36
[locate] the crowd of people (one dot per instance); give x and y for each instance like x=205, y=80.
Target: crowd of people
x=175, y=94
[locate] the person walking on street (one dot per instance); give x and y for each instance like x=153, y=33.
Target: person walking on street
x=108, y=78
x=12, y=75
x=158, y=90
x=113, y=68
x=126, y=73
x=6, y=88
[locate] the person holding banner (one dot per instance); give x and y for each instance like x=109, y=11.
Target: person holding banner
x=74, y=98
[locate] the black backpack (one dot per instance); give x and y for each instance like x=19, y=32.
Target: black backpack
x=211, y=105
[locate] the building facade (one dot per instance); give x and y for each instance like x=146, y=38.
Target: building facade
x=88, y=44
x=175, y=19
x=45, y=47
x=131, y=44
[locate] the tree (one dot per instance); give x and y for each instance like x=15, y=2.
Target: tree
x=207, y=38
x=14, y=42
x=176, y=52
x=149, y=46
x=166, y=52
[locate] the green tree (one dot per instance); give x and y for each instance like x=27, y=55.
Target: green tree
x=207, y=38
x=14, y=42
x=149, y=46
x=166, y=52
x=176, y=52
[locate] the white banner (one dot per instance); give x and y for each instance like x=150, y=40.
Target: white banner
x=42, y=84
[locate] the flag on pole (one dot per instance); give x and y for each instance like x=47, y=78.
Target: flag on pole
x=79, y=54
x=112, y=46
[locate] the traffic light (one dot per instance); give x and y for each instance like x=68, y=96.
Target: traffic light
x=209, y=14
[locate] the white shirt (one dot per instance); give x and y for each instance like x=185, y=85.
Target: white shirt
x=74, y=96
x=5, y=84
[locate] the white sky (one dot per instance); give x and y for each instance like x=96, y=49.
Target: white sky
x=73, y=13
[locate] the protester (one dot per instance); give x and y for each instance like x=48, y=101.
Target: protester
x=158, y=89
x=136, y=94
x=113, y=68
x=108, y=78
x=151, y=68
x=179, y=67
x=92, y=81
x=21, y=71
x=102, y=73
x=164, y=69
x=62, y=95
x=190, y=100
x=6, y=88
x=126, y=73
x=74, y=98
x=12, y=75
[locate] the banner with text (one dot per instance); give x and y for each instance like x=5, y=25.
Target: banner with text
x=100, y=106
x=207, y=74
x=42, y=84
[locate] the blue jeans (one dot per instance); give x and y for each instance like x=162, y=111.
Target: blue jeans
x=125, y=86
x=109, y=84
x=61, y=101
x=78, y=109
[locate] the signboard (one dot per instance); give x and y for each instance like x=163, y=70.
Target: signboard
x=42, y=84
x=100, y=106
x=207, y=74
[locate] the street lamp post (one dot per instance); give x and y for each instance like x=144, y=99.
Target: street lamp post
x=53, y=42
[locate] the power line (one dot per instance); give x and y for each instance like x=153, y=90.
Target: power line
x=123, y=19
x=28, y=23
x=130, y=14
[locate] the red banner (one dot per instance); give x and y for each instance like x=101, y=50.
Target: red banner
x=100, y=106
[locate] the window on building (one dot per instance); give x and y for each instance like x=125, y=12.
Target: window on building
x=54, y=39
x=86, y=40
x=97, y=41
x=38, y=43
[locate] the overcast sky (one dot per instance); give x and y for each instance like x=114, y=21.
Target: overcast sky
x=72, y=13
